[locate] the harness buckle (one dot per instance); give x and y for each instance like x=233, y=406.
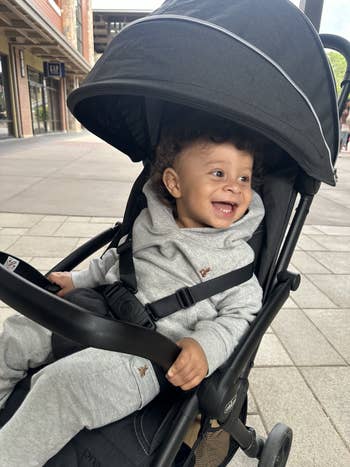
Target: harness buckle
x=152, y=317
x=184, y=297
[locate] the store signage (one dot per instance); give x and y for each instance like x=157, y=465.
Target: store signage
x=54, y=69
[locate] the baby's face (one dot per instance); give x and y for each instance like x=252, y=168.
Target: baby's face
x=211, y=185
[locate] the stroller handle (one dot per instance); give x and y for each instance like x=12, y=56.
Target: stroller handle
x=341, y=45
x=77, y=324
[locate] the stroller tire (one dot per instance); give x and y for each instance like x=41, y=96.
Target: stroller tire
x=277, y=447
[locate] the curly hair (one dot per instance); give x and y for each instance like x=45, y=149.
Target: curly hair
x=182, y=127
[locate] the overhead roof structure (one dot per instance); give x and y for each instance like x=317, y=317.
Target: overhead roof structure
x=109, y=22
x=27, y=28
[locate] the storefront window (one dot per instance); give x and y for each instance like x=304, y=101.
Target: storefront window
x=37, y=101
x=52, y=102
x=6, y=123
x=44, y=102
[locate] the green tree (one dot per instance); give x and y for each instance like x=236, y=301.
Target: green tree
x=338, y=65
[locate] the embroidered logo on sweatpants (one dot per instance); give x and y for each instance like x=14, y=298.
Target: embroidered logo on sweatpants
x=142, y=370
x=203, y=272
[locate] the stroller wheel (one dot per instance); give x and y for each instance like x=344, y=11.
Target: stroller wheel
x=277, y=446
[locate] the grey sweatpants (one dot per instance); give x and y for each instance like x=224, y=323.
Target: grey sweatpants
x=88, y=389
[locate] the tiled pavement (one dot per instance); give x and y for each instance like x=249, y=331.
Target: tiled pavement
x=302, y=374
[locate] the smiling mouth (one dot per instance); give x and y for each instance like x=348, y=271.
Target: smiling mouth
x=224, y=207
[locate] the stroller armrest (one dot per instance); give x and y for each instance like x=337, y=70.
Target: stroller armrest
x=73, y=322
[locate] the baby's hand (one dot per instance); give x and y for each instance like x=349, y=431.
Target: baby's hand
x=190, y=367
x=64, y=280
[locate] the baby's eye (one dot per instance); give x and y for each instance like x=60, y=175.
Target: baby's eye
x=218, y=173
x=244, y=179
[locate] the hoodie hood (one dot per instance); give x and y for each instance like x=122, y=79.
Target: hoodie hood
x=157, y=222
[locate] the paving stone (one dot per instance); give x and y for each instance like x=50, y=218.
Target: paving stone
x=80, y=229
x=272, y=353
x=55, y=218
x=310, y=296
x=111, y=169
x=44, y=227
x=35, y=168
x=305, y=263
x=252, y=408
x=304, y=342
x=69, y=198
x=337, y=230
x=290, y=303
x=334, y=243
x=339, y=196
x=331, y=386
x=307, y=243
x=14, y=185
x=336, y=287
x=19, y=220
x=7, y=241
x=335, y=325
x=43, y=246
x=337, y=262
x=105, y=220
x=13, y=231
x=78, y=219
x=45, y=264
x=312, y=230
x=283, y=396
x=333, y=213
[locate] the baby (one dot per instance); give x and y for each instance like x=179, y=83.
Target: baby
x=201, y=210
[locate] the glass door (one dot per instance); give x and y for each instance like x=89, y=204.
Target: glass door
x=37, y=102
x=52, y=104
x=6, y=123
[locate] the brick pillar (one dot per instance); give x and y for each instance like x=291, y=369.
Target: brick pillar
x=72, y=83
x=63, y=105
x=68, y=21
x=24, y=116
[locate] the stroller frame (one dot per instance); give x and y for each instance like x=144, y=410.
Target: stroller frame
x=223, y=397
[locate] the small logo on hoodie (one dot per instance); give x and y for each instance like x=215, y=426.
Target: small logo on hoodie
x=204, y=271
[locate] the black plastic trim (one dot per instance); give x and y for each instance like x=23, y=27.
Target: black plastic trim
x=76, y=323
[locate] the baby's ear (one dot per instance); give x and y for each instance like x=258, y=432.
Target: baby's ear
x=171, y=181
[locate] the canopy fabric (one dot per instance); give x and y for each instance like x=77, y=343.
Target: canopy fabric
x=258, y=63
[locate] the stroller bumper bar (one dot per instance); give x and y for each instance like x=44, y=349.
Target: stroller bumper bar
x=75, y=323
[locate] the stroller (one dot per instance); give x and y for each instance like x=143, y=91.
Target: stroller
x=249, y=61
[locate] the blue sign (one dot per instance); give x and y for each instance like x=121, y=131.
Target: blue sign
x=54, y=69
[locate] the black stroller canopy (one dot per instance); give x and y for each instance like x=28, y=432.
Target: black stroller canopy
x=259, y=63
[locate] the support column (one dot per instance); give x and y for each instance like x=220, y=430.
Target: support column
x=63, y=105
x=313, y=9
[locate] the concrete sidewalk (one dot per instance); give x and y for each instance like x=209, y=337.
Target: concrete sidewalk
x=57, y=191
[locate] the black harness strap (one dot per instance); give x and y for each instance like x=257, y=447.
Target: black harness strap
x=184, y=297
x=188, y=296
x=126, y=265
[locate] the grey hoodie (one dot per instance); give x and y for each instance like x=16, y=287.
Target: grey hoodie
x=167, y=258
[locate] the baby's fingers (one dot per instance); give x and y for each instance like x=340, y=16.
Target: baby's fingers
x=179, y=365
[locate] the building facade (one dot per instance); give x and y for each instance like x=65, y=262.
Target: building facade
x=46, y=49
x=108, y=22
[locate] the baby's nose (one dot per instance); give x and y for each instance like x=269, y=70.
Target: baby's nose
x=234, y=187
